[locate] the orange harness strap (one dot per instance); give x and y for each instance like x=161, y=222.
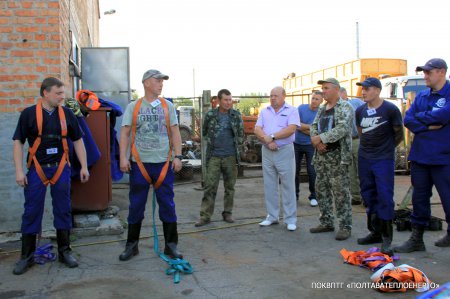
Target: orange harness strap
x=406, y=277
x=371, y=260
x=134, y=151
x=32, y=151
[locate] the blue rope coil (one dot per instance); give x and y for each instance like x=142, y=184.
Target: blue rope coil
x=44, y=254
x=176, y=266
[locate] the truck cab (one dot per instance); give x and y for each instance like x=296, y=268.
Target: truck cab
x=398, y=87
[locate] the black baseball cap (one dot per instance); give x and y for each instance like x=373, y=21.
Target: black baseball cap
x=434, y=63
x=370, y=82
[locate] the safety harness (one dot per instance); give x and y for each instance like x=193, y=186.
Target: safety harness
x=176, y=266
x=88, y=99
x=372, y=259
x=400, y=279
x=32, y=151
x=134, y=151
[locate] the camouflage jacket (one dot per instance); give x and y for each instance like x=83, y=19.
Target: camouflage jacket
x=211, y=129
x=342, y=131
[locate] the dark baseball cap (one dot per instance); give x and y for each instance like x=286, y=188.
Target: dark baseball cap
x=370, y=82
x=154, y=74
x=434, y=63
x=329, y=80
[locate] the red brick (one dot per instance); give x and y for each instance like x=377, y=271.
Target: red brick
x=21, y=69
x=4, y=102
x=15, y=102
x=26, y=13
x=27, y=60
x=4, y=53
x=49, y=45
x=6, y=13
x=6, y=45
x=27, y=29
x=13, y=4
x=4, y=21
x=9, y=109
x=26, y=77
x=56, y=37
x=6, y=78
x=13, y=37
x=28, y=45
x=22, y=53
x=40, y=20
x=29, y=101
x=8, y=94
x=50, y=61
x=54, y=4
x=53, y=20
x=41, y=69
x=49, y=12
x=27, y=4
x=40, y=4
x=51, y=29
x=55, y=69
x=5, y=86
x=53, y=53
x=6, y=29
x=25, y=20
x=41, y=53
x=40, y=37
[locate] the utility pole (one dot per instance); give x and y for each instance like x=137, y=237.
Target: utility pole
x=357, y=40
x=204, y=107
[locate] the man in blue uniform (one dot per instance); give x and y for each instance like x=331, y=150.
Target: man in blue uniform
x=429, y=119
x=50, y=154
x=380, y=127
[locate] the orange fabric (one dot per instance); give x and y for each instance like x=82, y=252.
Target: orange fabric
x=401, y=278
x=357, y=258
x=88, y=99
x=134, y=151
x=32, y=151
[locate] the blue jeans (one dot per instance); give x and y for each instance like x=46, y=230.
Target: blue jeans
x=307, y=151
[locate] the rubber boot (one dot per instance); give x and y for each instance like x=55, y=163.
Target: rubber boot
x=444, y=241
x=131, y=247
x=64, y=251
x=27, y=257
x=373, y=226
x=386, y=235
x=415, y=241
x=171, y=240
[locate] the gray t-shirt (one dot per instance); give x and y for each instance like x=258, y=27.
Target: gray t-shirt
x=151, y=140
x=224, y=143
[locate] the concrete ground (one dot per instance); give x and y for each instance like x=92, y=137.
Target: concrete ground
x=240, y=260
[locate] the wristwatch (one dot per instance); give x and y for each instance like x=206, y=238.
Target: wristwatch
x=273, y=136
x=179, y=157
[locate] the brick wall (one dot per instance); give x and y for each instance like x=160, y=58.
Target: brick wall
x=35, y=42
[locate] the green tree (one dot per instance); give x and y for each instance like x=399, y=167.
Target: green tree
x=251, y=100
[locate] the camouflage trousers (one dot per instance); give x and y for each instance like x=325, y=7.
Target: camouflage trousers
x=216, y=166
x=332, y=183
x=354, y=178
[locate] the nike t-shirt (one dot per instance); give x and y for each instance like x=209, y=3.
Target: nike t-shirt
x=378, y=139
